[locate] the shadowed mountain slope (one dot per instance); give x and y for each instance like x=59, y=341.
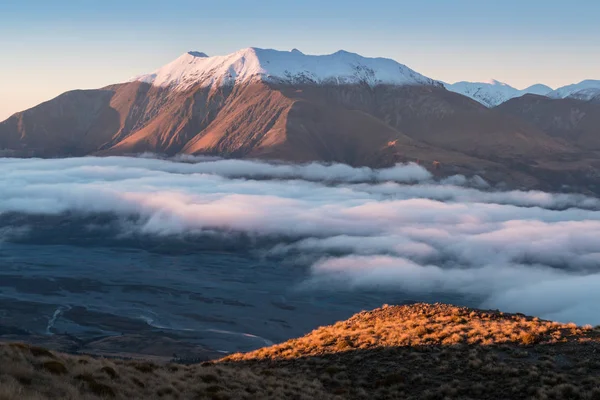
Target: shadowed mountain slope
x=574, y=121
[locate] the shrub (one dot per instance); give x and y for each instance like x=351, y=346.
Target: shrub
x=529, y=338
x=343, y=344
x=55, y=367
x=109, y=371
x=209, y=378
x=145, y=367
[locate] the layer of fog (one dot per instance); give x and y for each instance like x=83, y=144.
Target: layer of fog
x=393, y=229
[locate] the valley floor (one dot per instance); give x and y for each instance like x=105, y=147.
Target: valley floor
x=419, y=351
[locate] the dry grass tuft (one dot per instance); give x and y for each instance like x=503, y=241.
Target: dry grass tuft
x=55, y=367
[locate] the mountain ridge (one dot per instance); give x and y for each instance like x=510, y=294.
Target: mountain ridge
x=274, y=66
x=568, y=90
x=493, y=92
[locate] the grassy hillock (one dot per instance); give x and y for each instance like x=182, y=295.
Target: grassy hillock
x=419, y=351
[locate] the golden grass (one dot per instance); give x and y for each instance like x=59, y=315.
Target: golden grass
x=423, y=325
x=420, y=351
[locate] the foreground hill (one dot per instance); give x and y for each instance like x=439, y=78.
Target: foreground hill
x=419, y=351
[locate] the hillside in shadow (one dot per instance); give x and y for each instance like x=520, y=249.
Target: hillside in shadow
x=418, y=351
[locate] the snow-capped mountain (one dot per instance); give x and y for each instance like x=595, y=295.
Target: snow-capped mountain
x=539, y=89
x=493, y=93
x=586, y=95
x=197, y=69
x=583, y=90
x=251, y=64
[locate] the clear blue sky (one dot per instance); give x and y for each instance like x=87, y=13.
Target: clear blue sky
x=48, y=47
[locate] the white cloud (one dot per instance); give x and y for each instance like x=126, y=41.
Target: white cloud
x=531, y=252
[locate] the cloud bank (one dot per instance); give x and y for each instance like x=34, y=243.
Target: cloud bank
x=392, y=230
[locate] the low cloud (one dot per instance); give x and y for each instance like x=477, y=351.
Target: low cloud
x=392, y=230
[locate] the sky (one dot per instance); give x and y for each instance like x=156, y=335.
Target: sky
x=48, y=47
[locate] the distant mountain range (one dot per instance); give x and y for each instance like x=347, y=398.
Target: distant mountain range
x=342, y=107
x=494, y=93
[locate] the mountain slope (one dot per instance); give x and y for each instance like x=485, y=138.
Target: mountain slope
x=259, y=121
x=568, y=90
x=439, y=118
x=418, y=351
x=592, y=94
x=81, y=122
x=493, y=93
x=76, y=122
x=573, y=120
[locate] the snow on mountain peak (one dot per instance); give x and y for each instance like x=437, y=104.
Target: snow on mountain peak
x=493, y=92
x=195, y=68
x=586, y=86
x=287, y=67
x=539, y=89
x=497, y=83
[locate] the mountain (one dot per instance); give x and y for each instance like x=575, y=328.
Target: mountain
x=224, y=105
x=572, y=120
x=286, y=105
x=418, y=351
x=569, y=90
x=539, y=89
x=591, y=94
x=493, y=93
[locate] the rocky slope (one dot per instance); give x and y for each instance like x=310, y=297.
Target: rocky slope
x=418, y=351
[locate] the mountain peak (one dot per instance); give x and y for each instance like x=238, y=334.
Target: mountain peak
x=252, y=50
x=344, y=52
x=594, y=82
x=495, y=82
x=567, y=91
x=197, y=54
x=283, y=67
x=538, y=89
